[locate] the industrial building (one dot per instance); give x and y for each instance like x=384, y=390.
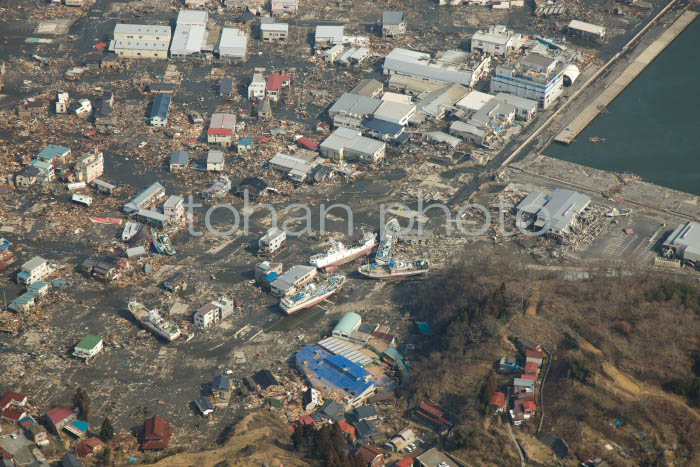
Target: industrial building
x=368, y=88
x=272, y=31
x=350, y=109
x=393, y=23
x=585, y=30
x=130, y=48
x=233, y=44
x=684, y=243
x=436, y=103
x=497, y=40
x=555, y=213
x=525, y=109
x=160, y=110
x=297, y=167
x=451, y=66
x=142, y=32
x=190, y=33
x=327, y=35
x=326, y=373
x=145, y=199
x=349, y=145
x=533, y=77
x=348, y=324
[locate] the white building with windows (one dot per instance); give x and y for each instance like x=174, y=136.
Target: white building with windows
x=497, y=40
x=213, y=313
x=256, y=88
x=34, y=270
x=142, y=32
x=533, y=77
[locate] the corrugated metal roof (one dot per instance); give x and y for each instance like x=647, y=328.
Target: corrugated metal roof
x=411, y=62
x=347, y=349
x=142, y=29
x=187, y=39
x=354, y=105
x=233, y=43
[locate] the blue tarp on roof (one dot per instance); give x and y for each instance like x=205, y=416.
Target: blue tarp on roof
x=272, y=276
x=245, y=142
x=346, y=366
x=81, y=425
x=314, y=361
x=424, y=328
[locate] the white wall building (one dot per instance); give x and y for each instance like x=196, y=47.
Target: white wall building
x=190, y=32
x=33, y=270
x=256, y=88
x=233, y=44
x=213, y=313
x=272, y=241
x=497, y=40
x=142, y=32
x=174, y=208
x=533, y=77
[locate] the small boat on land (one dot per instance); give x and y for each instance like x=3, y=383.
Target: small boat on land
x=157, y=243
x=130, y=230
x=154, y=322
x=386, y=244
x=396, y=269
x=165, y=242
x=340, y=253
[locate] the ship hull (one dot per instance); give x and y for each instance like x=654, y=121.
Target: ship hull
x=129, y=231
x=387, y=276
x=332, y=264
x=310, y=303
x=159, y=333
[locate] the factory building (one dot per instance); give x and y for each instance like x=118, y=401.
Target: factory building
x=233, y=44
x=132, y=48
x=533, y=77
x=190, y=33
x=272, y=31
x=349, y=145
x=556, y=212
x=142, y=32
x=684, y=243
x=585, y=30
x=449, y=67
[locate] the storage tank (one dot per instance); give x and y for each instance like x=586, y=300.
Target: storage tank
x=570, y=73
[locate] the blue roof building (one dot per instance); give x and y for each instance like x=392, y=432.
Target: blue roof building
x=328, y=372
x=160, y=110
x=53, y=151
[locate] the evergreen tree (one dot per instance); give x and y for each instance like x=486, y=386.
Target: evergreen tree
x=107, y=430
x=81, y=401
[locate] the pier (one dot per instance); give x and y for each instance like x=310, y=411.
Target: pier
x=591, y=111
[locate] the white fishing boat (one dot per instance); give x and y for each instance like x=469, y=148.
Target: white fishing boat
x=396, y=269
x=154, y=322
x=388, y=240
x=312, y=294
x=339, y=253
x=130, y=229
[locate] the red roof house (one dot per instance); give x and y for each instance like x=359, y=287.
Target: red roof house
x=89, y=446
x=12, y=398
x=433, y=415
x=156, y=434
x=370, y=456
x=532, y=368
x=405, y=462
x=14, y=414
x=346, y=427
x=529, y=376
x=530, y=407
x=534, y=356
x=58, y=417
x=498, y=400
x=306, y=420
x=5, y=454
x=275, y=82
x=307, y=143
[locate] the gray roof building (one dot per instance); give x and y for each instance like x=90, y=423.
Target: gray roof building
x=684, y=242
x=180, y=158
x=420, y=64
x=354, y=104
x=368, y=88
x=559, y=213
x=332, y=34
x=393, y=18
x=150, y=194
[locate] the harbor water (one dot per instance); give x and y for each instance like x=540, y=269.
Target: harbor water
x=652, y=128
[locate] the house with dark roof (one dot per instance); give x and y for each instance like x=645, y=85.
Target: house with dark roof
x=156, y=434
x=70, y=460
x=221, y=389
x=204, y=406
x=179, y=160
x=366, y=412
x=332, y=411
x=265, y=379
x=27, y=176
x=367, y=430
x=254, y=186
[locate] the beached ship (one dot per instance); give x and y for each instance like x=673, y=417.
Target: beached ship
x=312, y=294
x=387, y=242
x=154, y=322
x=396, y=269
x=339, y=253
x=165, y=242
x=130, y=230
x=157, y=244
